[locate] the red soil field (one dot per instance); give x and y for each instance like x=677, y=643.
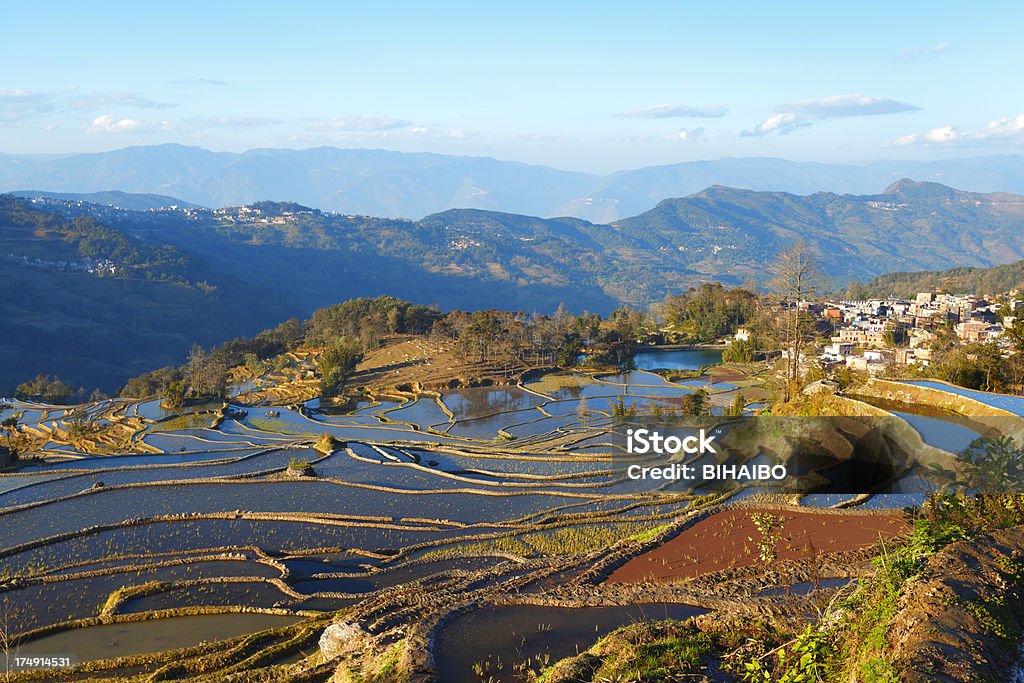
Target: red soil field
x=729, y=540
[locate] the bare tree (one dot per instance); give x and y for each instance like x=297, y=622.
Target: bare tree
x=795, y=276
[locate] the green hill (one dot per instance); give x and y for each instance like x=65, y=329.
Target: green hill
x=994, y=280
x=142, y=306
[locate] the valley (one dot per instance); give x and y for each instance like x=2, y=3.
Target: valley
x=227, y=273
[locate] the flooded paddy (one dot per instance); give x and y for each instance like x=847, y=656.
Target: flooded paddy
x=220, y=594
x=112, y=506
x=476, y=402
x=109, y=641
x=211, y=534
x=497, y=639
x=78, y=482
x=425, y=412
x=676, y=359
x=942, y=429
x=1013, y=404
x=9, y=482
x=150, y=459
x=53, y=602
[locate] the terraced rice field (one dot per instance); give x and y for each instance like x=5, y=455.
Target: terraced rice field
x=488, y=494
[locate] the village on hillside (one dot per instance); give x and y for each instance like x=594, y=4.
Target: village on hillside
x=876, y=335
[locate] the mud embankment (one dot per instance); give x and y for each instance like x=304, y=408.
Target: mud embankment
x=962, y=619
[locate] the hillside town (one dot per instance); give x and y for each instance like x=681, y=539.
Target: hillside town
x=872, y=335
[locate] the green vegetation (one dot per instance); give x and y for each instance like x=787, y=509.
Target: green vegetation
x=86, y=238
x=200, y=420
x=710, y=312
x=368, y=320
x=769, y=526
x=326, y=443
x=740, y=351
x=204, y=375
x=961, y=280
x=996, y=465
x=670, y=653
x=95, y=329
x=665, y=651
x=555, y=541
x=269, y=424
x=336, y=363
x=45, y=388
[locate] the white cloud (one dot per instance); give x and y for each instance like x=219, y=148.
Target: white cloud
x=17, y=104
x=684, y=135
x=110, y=124
x=783, y=124
x=795, y=115
x=115, y=99
x=910, y=54
x=234, y=121
x=200, y=81
x=1003, y=128
x=359, y=123
x=1006, y=130
x=671, y=111
x=839, y=106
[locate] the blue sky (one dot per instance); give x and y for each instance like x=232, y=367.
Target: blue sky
x=580, y=85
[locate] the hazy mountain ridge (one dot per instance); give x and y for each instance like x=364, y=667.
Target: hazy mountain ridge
x=372, y=182
x=114, y=198
x=222, y=273
x=413, y=185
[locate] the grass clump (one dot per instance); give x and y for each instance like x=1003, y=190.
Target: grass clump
x=326, y=443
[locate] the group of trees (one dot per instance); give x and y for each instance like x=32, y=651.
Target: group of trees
x=711, y=311
x=205, y=373
x=980, y=365
x=336, y=363
x=46, y=388
x=368, y=321
x=347, y=331
x=960, y=280
x=517, y=338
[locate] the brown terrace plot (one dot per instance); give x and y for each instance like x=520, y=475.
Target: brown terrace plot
x=728, y=540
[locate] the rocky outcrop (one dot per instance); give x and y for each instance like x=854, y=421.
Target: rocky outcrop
x=342, y=638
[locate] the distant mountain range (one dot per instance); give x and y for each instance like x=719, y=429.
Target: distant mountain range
x=169, y=277
x=412, y=185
